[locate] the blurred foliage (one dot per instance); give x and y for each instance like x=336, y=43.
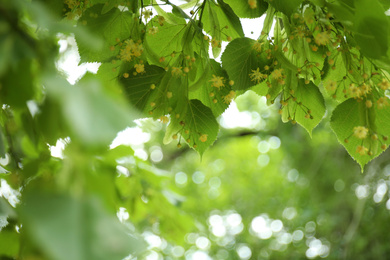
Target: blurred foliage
x=81, y=178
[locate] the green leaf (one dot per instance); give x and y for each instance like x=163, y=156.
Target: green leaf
x=138, y=87
x=244, y=10
x=288, y=7
x=168, y=39
x=109, y=26
x=66, y=228
x=304, y=97
x=211, y=25
x=207, y=93
x=52, y=125
x=17, y=85
x=371, y=27
x=9, y=244
x=221, y=22
x=2, y=143
x=196, y=125
x=88, y=110
x=352, y=113
x=229, y=21
x=240, y=59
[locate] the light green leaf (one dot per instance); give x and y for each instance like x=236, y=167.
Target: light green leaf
x=221, y=22
x=240, y=59
x=9, y=244
x=167, y=41
x=211, y=25
x=305, y=103
x=229, y=21
x=66, y=228
x=351, y=114
x=244, y=10
x=207, y=93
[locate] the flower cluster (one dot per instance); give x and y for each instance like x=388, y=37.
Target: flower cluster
x=252, y=4
x=217, y=82
x=130, y=49
x=322, y=38
x=229, y=97
x=359, y=91
x=360, y=132
x=256, y=76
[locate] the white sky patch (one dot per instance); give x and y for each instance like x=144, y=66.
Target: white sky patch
x=58, y=149
x=9, y=194
x=69, y=62
x=233, y=118
x=130, y=136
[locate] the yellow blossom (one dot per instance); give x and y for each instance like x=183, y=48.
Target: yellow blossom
x=322, y=38
x=140, y=68
x=361, y=150
x=365, y=89
x=147, y=14
x=354, y=90
x=130, y=49
x=153, y=30
x=331, y=85
x=252, y=4
x=382, y=102
x=360, y=132
x=176, y=71
x=164, y=119
x=214, y=43
x=257, y=46
x=217, y=82
x=277, y=74
x=257, y=76
x=161, y=20
x=203, y=138
x=229, y=97
x=384, y=84
x=309, y=16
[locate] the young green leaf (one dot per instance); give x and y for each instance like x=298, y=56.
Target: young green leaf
x=305, y=104
x=361, y=130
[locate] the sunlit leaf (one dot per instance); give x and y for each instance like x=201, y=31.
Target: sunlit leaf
x=351, y=114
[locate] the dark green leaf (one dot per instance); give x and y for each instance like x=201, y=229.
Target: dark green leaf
x=371, y=27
